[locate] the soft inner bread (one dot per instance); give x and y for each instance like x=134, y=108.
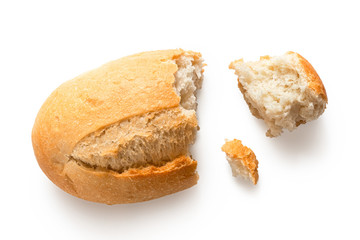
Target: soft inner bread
x=284, y=90
x=120, y=133
x=242, y=160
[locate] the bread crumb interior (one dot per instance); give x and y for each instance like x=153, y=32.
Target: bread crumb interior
x=278, y=93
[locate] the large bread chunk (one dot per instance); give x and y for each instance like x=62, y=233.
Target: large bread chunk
x=120, y=133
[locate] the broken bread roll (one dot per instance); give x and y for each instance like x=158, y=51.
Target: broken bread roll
x=121, y=133
x=242, y=160
x=285, y=91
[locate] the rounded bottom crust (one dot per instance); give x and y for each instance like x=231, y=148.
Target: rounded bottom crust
x=133, y=185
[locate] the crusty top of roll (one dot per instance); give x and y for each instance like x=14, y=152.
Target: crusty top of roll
x=111, y=93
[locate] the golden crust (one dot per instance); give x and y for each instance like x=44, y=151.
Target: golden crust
x=313, y=79
x=127, y=87
x=133, y=185
x=235, y=149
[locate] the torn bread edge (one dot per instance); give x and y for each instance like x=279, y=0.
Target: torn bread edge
x=242, y=160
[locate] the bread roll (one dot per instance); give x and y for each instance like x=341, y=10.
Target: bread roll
x=120, y=133
x=242, y=160
x=285, y=91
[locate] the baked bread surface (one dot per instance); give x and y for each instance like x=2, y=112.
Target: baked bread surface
x=130, y=89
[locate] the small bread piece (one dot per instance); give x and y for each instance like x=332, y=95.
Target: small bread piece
x=285, y=90
x=120, y=133
x=242, y=160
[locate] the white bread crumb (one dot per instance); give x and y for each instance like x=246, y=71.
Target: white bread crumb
x=285, y=91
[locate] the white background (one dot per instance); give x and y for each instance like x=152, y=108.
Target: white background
x=309, y=179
